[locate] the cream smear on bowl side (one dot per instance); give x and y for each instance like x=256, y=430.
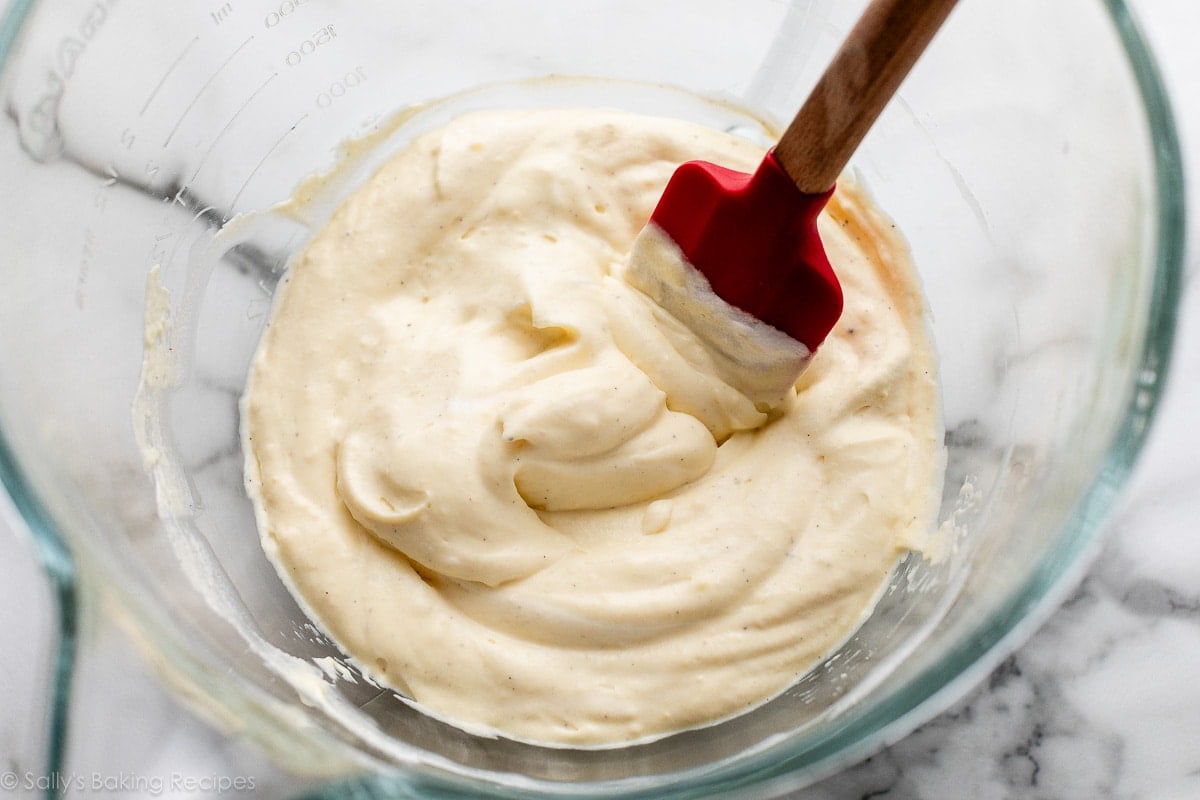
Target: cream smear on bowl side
x=517, y=491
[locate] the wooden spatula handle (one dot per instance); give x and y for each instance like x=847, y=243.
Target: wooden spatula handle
x=858, y=83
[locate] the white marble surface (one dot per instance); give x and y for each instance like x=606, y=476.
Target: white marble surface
x=1103, y=702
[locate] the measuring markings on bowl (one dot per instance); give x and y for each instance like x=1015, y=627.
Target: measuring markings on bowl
x=174, y=64
x=351, y=80
x=280, y=14
x=221, y=14
x=309, y=46
x=233, y=203
x=204, y=87
x=239, y=80
x=212, y=145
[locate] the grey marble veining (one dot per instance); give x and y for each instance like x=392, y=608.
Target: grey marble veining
x=1104, y=700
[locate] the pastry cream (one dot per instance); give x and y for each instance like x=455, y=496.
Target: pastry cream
x=519, y=492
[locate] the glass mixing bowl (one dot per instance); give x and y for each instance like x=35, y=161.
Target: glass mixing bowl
x=1030, y=161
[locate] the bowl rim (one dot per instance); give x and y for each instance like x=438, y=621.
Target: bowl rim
x=862, y=731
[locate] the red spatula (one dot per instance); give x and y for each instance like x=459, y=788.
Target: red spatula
x=754, y=237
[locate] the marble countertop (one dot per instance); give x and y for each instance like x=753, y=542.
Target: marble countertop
x=1102, y=702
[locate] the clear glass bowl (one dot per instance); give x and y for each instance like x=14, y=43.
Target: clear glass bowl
x=1031, y=162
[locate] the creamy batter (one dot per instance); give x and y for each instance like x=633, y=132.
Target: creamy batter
x=516, y=490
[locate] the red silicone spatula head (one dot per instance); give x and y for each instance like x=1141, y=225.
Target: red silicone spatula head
x=755, y=238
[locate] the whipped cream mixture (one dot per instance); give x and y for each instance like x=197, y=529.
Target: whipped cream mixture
x=516, y=490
